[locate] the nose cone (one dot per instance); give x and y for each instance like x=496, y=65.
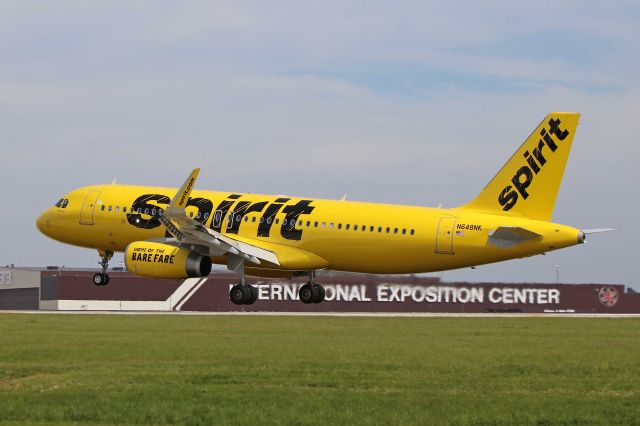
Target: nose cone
x=43, y=223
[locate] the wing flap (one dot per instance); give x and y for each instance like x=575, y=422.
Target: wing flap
x=250, y=249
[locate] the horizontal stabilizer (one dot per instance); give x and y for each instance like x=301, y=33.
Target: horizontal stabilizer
x=597, y=230
x=509, y=236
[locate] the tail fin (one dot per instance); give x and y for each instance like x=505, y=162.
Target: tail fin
x=528, y=184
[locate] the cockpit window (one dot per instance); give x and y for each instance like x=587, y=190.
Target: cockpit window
x=62, y=203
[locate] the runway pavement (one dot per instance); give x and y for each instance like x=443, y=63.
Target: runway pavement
x=334, y=314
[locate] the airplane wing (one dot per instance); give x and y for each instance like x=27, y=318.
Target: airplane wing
x=508, y=236
x=188, y=231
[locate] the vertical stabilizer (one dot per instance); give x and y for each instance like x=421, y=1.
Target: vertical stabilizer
x=528, y=184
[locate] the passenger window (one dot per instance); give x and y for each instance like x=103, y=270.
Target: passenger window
x=268, y=220
x=206, y=216
x=299, y=223
x=348, y=226
x=238, y=218
x=117, y=209
x=102, y=208
x=253, y=219
x=339, y=226
x=308, y=223
x=146, y=211
x=388, y=229
x=404, y=231
x=331, y=225
x=395, y=230
x=284, y=222
x=371, y=229
x=199, y=215
x=246, y=218
x=364, y=228
x=412, y=232
x=190, y=213
x=324, y=225
x=277, y=221
x=379, y=228
x=315, y=224
x=153, y=212
x=355, y=227
x=110, y=207
x=124, y=209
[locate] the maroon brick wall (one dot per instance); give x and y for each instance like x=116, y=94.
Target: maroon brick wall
x=354, y=293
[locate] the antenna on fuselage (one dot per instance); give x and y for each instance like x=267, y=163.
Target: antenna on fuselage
x=113, y=182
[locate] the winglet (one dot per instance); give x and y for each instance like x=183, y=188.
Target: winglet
x=182, y=196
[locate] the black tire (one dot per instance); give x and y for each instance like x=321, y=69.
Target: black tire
x=321, y=293
x=106, y=279
x=254, y=295
x=236, y=294
x=247, y=294
x=306, y=293
x=98, y=279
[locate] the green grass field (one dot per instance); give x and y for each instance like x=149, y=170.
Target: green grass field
x=175, y=369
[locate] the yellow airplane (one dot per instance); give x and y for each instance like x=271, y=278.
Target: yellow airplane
x=169, y=234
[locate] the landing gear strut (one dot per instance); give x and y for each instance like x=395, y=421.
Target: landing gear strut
x=242, y=293
x=102, y=278
x=311, y=292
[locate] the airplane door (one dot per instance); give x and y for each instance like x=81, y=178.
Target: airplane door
x=444, y=237
x=86, y=213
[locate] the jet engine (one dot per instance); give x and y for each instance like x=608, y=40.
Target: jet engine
x=158, y=260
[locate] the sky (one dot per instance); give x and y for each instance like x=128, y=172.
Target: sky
x=408, y=102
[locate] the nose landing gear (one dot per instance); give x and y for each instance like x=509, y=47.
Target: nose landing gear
x=102, y=278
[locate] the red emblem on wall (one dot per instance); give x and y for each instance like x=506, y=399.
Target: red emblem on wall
x=608, y=296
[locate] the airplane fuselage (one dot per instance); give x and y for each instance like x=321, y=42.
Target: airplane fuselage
x=331, y=234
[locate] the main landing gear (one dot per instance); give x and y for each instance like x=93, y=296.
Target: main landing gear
x=102, y=278
x=311, y=292
x=243, y=294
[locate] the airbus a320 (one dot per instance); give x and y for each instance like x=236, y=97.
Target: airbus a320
x=169, y=233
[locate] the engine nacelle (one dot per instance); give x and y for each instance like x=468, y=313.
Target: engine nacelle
x=159, y=260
